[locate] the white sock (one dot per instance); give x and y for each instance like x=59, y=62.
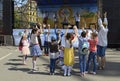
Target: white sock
x=65, y=70
x=34, y=64
x=69, y=70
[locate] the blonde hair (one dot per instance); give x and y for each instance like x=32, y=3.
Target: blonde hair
x=94, y=35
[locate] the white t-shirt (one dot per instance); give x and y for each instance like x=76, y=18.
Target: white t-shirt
x=65, y=43
x=102, y=34
x=47, y=38
x=34, y=39
x=77, y=18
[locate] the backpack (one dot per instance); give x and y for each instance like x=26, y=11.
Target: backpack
x=85, y=48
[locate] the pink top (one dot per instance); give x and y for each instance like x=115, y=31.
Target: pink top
x=25, y=43
x=93, y=44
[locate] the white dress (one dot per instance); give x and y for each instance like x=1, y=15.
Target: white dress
x=25, y=48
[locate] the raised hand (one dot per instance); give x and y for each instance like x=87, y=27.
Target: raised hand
x=68, y=26
x=98, y=14
x=44, y=25
x=105, y=14
x=48, y=25
x=74, y=27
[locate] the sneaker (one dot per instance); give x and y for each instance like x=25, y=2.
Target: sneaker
x=24, y=63
x=69, y=74
x=45, y=54
x=35, y=70
x=64, y=74
x=94, y=73
x=86, y=72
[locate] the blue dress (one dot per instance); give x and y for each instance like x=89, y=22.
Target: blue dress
x=35, y=50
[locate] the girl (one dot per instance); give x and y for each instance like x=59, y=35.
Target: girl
x=35, y=51
x=25, y=48
x=68, y=52
x=93, y=51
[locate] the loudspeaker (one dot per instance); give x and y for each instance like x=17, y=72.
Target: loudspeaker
x=8, y=12
x=113, y=9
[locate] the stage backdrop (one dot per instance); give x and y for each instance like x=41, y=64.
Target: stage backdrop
x=51, y=13
x=29, y=12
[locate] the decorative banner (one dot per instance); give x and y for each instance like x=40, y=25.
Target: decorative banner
x=61, y=12
x=29, y=12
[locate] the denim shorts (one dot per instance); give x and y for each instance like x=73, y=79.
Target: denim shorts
x=101, y=50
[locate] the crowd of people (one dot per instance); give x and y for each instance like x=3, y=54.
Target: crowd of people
x=60, y=48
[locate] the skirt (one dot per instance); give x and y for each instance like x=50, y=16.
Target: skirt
x=36, y=51
x=25, y=50
x=68, y=56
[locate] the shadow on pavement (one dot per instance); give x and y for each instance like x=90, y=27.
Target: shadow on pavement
x=19, y=69
x=15, y=59
x=44, y=73
x=111, y=69
x=15, y=64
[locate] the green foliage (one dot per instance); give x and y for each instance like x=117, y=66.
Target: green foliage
x=88, y=14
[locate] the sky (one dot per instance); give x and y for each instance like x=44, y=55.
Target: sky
x=19, y=3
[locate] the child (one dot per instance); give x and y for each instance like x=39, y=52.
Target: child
x=82, y=52
x=61, y=56
x=83, y=49
x=68, y=52
x=47, y=41
x=59, y=61
x=54, y=51
x=25, y=48
x=93, y=51
x=35, y=50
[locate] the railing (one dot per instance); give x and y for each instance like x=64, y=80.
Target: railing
x=6, y=40
x=2, y=40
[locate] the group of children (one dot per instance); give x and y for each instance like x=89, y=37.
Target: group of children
x=62, y=49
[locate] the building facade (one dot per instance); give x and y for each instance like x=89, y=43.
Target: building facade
x=25, y=14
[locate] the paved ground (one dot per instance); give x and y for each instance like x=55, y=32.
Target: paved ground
x=11, y=68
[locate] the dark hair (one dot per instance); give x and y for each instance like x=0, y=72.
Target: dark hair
x=83, y=34
x=20, y=43
x=53, y=39
x=68, y=36
x=34, y=30
x=38, y=25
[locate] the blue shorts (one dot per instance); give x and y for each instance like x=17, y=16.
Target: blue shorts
x=101, y=50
